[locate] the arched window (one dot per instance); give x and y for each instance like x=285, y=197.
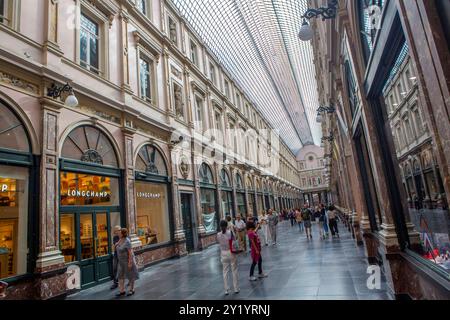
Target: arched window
x=239, y=184
x=150, y=160
x=17, y=218
x=249, y=183
x=88, y=144
x=12, y=133
x=225, y=178
x=205, y=174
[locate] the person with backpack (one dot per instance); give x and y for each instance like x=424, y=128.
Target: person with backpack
x=306, y=217
x=228, y=256
x=333, y=220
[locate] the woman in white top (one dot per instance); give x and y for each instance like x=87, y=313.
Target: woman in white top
x=264, y=227
x=227, y=257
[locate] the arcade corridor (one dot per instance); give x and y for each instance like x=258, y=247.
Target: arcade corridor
x=298, y=269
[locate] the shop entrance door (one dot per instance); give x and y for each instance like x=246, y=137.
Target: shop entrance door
x=187, y=220
x=93, y=243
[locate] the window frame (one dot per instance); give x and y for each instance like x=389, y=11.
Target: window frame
x=11, y=13
x=194, y=57
x=148, y=8
x=153, y=61
x=102, y=21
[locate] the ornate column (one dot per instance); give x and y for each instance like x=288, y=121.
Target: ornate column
x=179, y=232
x=197, y=198
x=189, y=112
x=235, y=207
x=130, y=199
x=216, y=173
x=123, y=42
x=170, y=112
x=49, y=258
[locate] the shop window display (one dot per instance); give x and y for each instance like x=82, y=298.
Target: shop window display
x=152, y=213
x=208, y=204
x=83, y=189
x=227, y=203
x=67, y=237
x=13, y=221
x=240, y=197
x=428, y=214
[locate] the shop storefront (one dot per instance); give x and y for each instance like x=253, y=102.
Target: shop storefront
x=240, y=196
x=152, y=198
x=90, y=203
x=17, y=221
x=251, y=197
x=226, y=194
x=210, y=218
x=260, y=198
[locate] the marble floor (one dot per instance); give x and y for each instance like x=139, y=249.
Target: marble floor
x=297, y=268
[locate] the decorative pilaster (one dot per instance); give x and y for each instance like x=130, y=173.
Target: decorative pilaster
x=170, y=113
x=130, y=199
x=197, y=198
x=49, y=257
x=126, y=88
x=233, y=184
x=218, y=191
x=51, y=49
x=179, y=233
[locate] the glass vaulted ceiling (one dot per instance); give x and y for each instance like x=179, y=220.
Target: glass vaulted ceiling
x=256, y=41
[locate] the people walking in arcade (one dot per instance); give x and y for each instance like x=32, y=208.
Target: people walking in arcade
x=126, y=268
x=263, y=222
x=228, y=257
x=240, y=230
x=306, y=217
x=273, y=222
x=256, y=257
x=332, y=221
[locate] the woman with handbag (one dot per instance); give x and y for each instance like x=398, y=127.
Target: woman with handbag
x=126, y=267
x=229, y=247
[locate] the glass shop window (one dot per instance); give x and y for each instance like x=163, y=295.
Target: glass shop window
x=13, y=221
x=152, y=213
x=425, y=197
x=208, y=205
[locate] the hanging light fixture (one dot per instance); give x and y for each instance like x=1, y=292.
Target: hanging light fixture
x=55, y=92
x=306, y=32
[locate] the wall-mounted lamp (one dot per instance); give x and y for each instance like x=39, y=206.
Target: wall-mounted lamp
x=55, y=92
x=329, y=138
x=321, y=110
x=306, y=32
